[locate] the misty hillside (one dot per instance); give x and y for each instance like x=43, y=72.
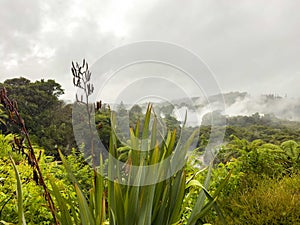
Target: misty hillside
x=232, y=104
x=242, y=103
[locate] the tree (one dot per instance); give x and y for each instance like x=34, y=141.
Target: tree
x=48, y=119
x=135, y=115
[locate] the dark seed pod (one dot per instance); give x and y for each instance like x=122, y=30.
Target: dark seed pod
x=35, y=177
x=39, y=157
x=98, y=106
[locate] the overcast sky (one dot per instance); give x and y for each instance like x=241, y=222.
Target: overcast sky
x=249, y=45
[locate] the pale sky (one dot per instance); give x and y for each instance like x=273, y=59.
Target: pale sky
x=251, y=46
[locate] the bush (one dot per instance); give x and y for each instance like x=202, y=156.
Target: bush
x=272, y=201
x=265, y=184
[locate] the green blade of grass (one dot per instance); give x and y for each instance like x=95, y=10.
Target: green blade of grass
x=211, y=202
x=85, y=213
x=137, y=129
x=132, y=207
x=118, y=205
x=200, y=200
x=99, y=197
x=64, y=217
x=5, y=223
x=177, y=196
x=153, y=134
x=147, y=122
x=145, y=215
x=161, y=219
x=21, y=217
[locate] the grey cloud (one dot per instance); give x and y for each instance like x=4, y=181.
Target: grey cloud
x=20, y=23
x=245, y=42
x=250, y=45
x=83, y=40
x=284, y=108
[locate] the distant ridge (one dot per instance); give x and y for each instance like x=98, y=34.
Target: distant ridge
x=238, y=103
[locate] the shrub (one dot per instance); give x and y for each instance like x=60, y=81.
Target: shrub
x=272, y=201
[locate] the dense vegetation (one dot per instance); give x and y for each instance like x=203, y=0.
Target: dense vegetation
x=48, y=119
x=254, y=179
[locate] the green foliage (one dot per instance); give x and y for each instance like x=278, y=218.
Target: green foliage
x=253, y=180
x=263, y=185
x=158, y=203
x=267, y=128
x=292, y=150
x=162, y=202
x=271, y=201
x=255, y=127
x=47, y=118
x=257, y=157
x=102, y=120
x=254, y=189
x=79, y=210
x=21, y=217
x=34, y=204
